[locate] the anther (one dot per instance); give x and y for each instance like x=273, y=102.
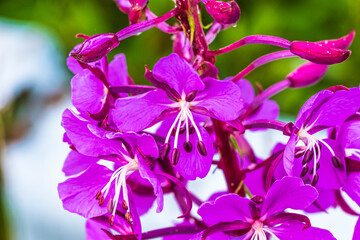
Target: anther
x=299, y=154
x=128, y=217
x=110, y=205
x=201, y=148
x=175, y=155
x=307, y=157
x=182, y=130
x=111, y=220
x=165, y=151
x=190, y=96
x=315, y=179
x=191, y=129
x=188, y=146
x=258, y=199
x=101, y=200
x=304, y=171
x=124, y=205
x=173, y=132
x=336, y=161
x=98, y=195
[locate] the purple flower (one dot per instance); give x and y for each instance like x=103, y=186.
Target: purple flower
x=323, y=110
x=181, y=93
x=99, y=188
x=260, y=218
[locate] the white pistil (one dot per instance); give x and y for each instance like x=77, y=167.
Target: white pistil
x=120, y=176
x=259, y=231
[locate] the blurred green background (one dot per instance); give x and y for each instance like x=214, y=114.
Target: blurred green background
x=294, y=20
x=306, y=20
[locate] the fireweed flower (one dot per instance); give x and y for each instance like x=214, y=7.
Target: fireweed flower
x=324, y=110
x=100, y=189
x=181, y=93
x=263, y=218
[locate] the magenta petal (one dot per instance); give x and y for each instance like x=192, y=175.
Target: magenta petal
x=289, y=192
x=307, y=74
x=316, y=53
x=342, y=43
x=247, y=91
x=268, y=110
x=289, y=155
x=87, y=92
x=85, y=141
x=145, y=172
x=77, y=162
x=73, y=65
x=352, y=186
x=78, y=193
x=223, y=12
x=136, y=113
x=226, y=208
x=325, y=200
x=293, y=230
x=178, y=74
x=118, y=75
x=221, y=99
x=338, y=108
x=192, y=165
x=329, y=176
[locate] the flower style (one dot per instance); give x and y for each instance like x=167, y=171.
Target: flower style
x=99, y=186
x=263, y=218
x=181, y=92
x=323, y=110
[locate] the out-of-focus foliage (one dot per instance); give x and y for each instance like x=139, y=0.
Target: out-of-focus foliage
x=293, y=20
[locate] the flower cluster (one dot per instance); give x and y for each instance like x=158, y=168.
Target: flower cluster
x=131, y=144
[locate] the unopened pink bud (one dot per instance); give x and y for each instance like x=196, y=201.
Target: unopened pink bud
x=223, y=12
x=96, y=47
x=307, y=74
x=317, y=53
x=342, y=43
x=138, y=4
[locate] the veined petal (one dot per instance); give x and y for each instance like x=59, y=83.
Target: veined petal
x=118, y=75
x=247, y=90
x=329, y=176
x=192, y=165
x=289, y=192
x=293, y=230
x=220, y=99
x=145, y=172
x=178, y=74
x=78, y=193
x=268, y=110
x=339, y=107
x=289, y=158
x=226, y=208
x=85, y=141
x=352, y=186
x=76, y=163
x=136, y=113
x=87, y=92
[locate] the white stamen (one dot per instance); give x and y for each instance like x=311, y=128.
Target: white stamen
x=172, y=127
x=352, y=151
x=194, y=125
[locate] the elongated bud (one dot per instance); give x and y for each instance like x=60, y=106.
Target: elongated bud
x=175, y=155
x=336, y=161
x=316, y=53
x=223, y=12
x=188, y=146
x=96, y=47
x=165, y=150
x=342, y=43
x=201, y=148
x=307, y=74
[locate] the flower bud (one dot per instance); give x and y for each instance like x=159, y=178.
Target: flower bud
x=307, y=74
x=317, y=53
x=138, y=4
x=223, y=12
x=96, y=47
